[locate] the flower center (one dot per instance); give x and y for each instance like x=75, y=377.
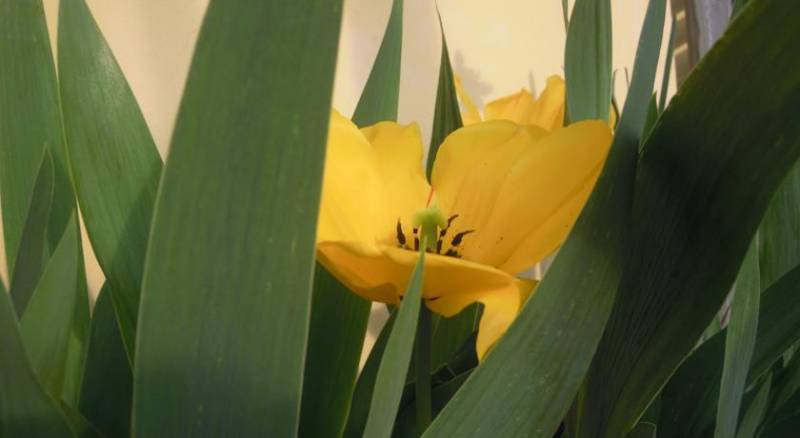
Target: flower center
x=435, y=231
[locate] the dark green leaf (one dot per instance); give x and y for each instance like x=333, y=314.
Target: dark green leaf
x=338, y=324
x=31, y=256
x=226, y=294
x=740, y=341
x=587, y=64
x=362, y=394
x=25, y=408
x=643, y=430
x=537, y=366
x=755, y=411
x=406, y=422
x=114, y=161
x=701, y=191
x=390, y=379
x=381, y=93
x=78, y=340
x=451, y=334
x=447, y=113
x=81, y=428
x=108, y=386
x=779, y=246
x=29, y=117
x=45, y=326
x=650, y=119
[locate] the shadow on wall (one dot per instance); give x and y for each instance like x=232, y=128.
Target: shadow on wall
x=477, y=88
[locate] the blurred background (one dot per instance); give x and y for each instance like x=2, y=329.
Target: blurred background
x=496, y=47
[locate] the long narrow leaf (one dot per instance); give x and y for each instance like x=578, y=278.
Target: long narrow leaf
x=390, y=379
x=739, y=343
x=587, y=65
x=755, y=411
x=381, y=94
x=702, y=189
x=227, y=286
x=114, y=161
x=46, y=324
x=779, y=246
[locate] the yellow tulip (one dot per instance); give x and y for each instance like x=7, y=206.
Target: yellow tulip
x=546, y=111
x=507, y=195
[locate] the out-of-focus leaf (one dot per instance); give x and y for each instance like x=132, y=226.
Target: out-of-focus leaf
x=80, y=426
x=390, y=378
x=45, y=326
x=526, y=383
x=381, y=93
x=650, y=118
x=779, y=246
x=338, y=324
x=26, y=410
x=701, y=191
x=662, y=100
x=29, y=117
x=740, y=341
x=587, y=64
x=30, y=259
x=643, y=430
x=755, y=411
x=226, y=293
x=114, y=161
x=107, y=390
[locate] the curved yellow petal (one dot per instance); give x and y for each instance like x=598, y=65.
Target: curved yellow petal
x=351, y=187
x=499, y=311
x=548, y=110
x=470, y=113
x=398, y=158
x=517, y=107
x=518, y=187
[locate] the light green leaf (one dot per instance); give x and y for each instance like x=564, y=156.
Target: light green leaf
x=701, y=191
x=45, y=326
x=755, y=411
x=338, y=324
x=226, y=293
x=381, y=93
x=31, y=256
x=25, y=408
x=587, y=64
x=362, y=394
x=390, y=379
x=114, y=161
x=538, y=365
x=105, y=398
x=662, y=100
x=739, y=343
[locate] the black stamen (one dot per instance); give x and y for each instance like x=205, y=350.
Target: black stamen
x=439, y=246
x=401, y=238
x=452, y=253
x=449, y=221
x=416, y=243
x=458, y=237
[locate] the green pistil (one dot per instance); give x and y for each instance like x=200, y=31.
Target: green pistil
x=429, y=221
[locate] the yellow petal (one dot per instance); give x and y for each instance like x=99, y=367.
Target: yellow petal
x=510, y=187
x=517, y=108
x=398, y=155
x=548, y=110
x=351, y=188
x=499, y=311
x=470, y=113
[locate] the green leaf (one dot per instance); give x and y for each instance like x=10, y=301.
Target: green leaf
x=81, y=427
x=31, y=256
x=755, y=411
x=701, y=191
x=45, y=326
x=29, y=115
x=362, y=394
x=381, y=93
x=537, y=366
x=643, y=430
x=587, y=64
x=107, y=390
x=739, y=343
x=78, y=340
x=650, y=119
x=390, y=380
x=114, y=161
x=406, y=421
x=25, y=408
x=447, y=113
x=226, y=292
x=779, y=246
x=662, y=101
x=450, y=334
x=336, y=335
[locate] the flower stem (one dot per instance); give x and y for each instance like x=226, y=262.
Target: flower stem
x=422, y=365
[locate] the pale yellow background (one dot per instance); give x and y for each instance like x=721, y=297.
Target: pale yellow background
x=497, y=47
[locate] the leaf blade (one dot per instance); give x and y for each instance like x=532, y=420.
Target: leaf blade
x=587, y=64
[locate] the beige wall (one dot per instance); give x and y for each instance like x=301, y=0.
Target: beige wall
x=497, y=47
